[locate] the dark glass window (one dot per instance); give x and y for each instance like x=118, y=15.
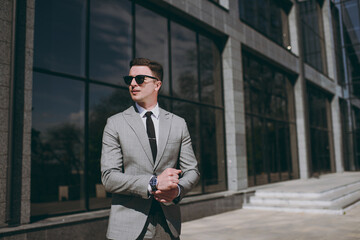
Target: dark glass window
x=152, y=30
x=320, y=130
x=351, y=33
x=184, y=62
x=345, y=130
x=270, y=123
x=313, y=34
x=110, y=40
x=57, y=174
x=356, y=116
x=59, y=38
x=213, y=149
x=268, y=17
x=78, y=85
x=210, y=71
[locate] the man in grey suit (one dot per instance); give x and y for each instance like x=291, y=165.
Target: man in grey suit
x=147, y=161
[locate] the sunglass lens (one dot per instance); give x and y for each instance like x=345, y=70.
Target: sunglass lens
x=139, y=79
x=128, y=79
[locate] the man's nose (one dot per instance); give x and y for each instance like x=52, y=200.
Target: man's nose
x=133, y=82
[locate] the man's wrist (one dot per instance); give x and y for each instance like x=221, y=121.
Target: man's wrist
x=153, y=183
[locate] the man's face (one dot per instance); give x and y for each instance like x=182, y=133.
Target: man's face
x=146, y=93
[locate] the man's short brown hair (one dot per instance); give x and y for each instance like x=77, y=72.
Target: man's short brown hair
x=154, y=66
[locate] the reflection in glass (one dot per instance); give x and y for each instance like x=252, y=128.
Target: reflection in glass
x=59, y=38
x=104, y=102
x=57, y=143
x=312, y=34
x=213, y=155
x=152, y=40
x=110, y=40
x=269, y=120
x=356, y=114
x=210, y=72
x=351, y=18
x=268, y=17
x=184, y=63
x=191, y=114
x=319, y=131
x=249, y=151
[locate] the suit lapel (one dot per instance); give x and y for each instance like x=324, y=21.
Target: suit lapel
x=164, y=130
x=135, y=122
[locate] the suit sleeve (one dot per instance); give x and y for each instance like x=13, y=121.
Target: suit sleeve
x=188, y=164
x=112, y=175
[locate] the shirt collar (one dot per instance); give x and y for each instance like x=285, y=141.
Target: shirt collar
x=142, y=111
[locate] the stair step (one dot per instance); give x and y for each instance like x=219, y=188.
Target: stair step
x=329, y=194
x=296, y=210
x=343, y=200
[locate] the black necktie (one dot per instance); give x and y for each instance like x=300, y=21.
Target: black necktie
x=151, y=134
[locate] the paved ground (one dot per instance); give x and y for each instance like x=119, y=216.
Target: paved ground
x=256, y=225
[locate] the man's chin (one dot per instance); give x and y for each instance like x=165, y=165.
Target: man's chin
x=135, y=98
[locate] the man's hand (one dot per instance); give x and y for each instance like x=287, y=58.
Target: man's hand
x=166, y=196
x=168, y=180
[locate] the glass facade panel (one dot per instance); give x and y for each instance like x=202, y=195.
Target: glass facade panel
x=320, y=131
x=110, y=40
x=312, y=34
x=268, y=17
x=213, y=149
x=152, y=30
x=210, y=72
x=184, y=63
x=269, y=122
x=356, y=116
x=59, y=38
x=57, y=165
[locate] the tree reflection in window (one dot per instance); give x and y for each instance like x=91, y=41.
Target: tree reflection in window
x=57, y=144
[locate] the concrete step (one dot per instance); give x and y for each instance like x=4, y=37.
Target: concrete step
x=296, y=210
x=335, y=197
x=332, y=193
x=340, y=202
x=314, y=196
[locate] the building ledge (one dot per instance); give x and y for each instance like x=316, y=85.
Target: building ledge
x=53, y=222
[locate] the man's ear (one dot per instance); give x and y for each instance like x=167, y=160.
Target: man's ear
x=158, y=85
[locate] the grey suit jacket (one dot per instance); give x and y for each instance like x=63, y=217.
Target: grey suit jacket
x=127, y=166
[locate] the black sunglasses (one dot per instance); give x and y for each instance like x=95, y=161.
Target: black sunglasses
x=138, y=78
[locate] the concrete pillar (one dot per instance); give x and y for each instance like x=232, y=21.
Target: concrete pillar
x=337, y=134
x=329, y=40
x=16, y=63
x=301, y=125
x=234, y=116
x=293, y=31
x=6, y=25
x=302, y=120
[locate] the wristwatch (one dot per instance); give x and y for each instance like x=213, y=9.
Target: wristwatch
x=153, y=183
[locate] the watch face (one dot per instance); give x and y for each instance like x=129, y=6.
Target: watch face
x=153, y=182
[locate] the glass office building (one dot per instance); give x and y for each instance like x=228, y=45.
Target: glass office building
x=270, y=90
